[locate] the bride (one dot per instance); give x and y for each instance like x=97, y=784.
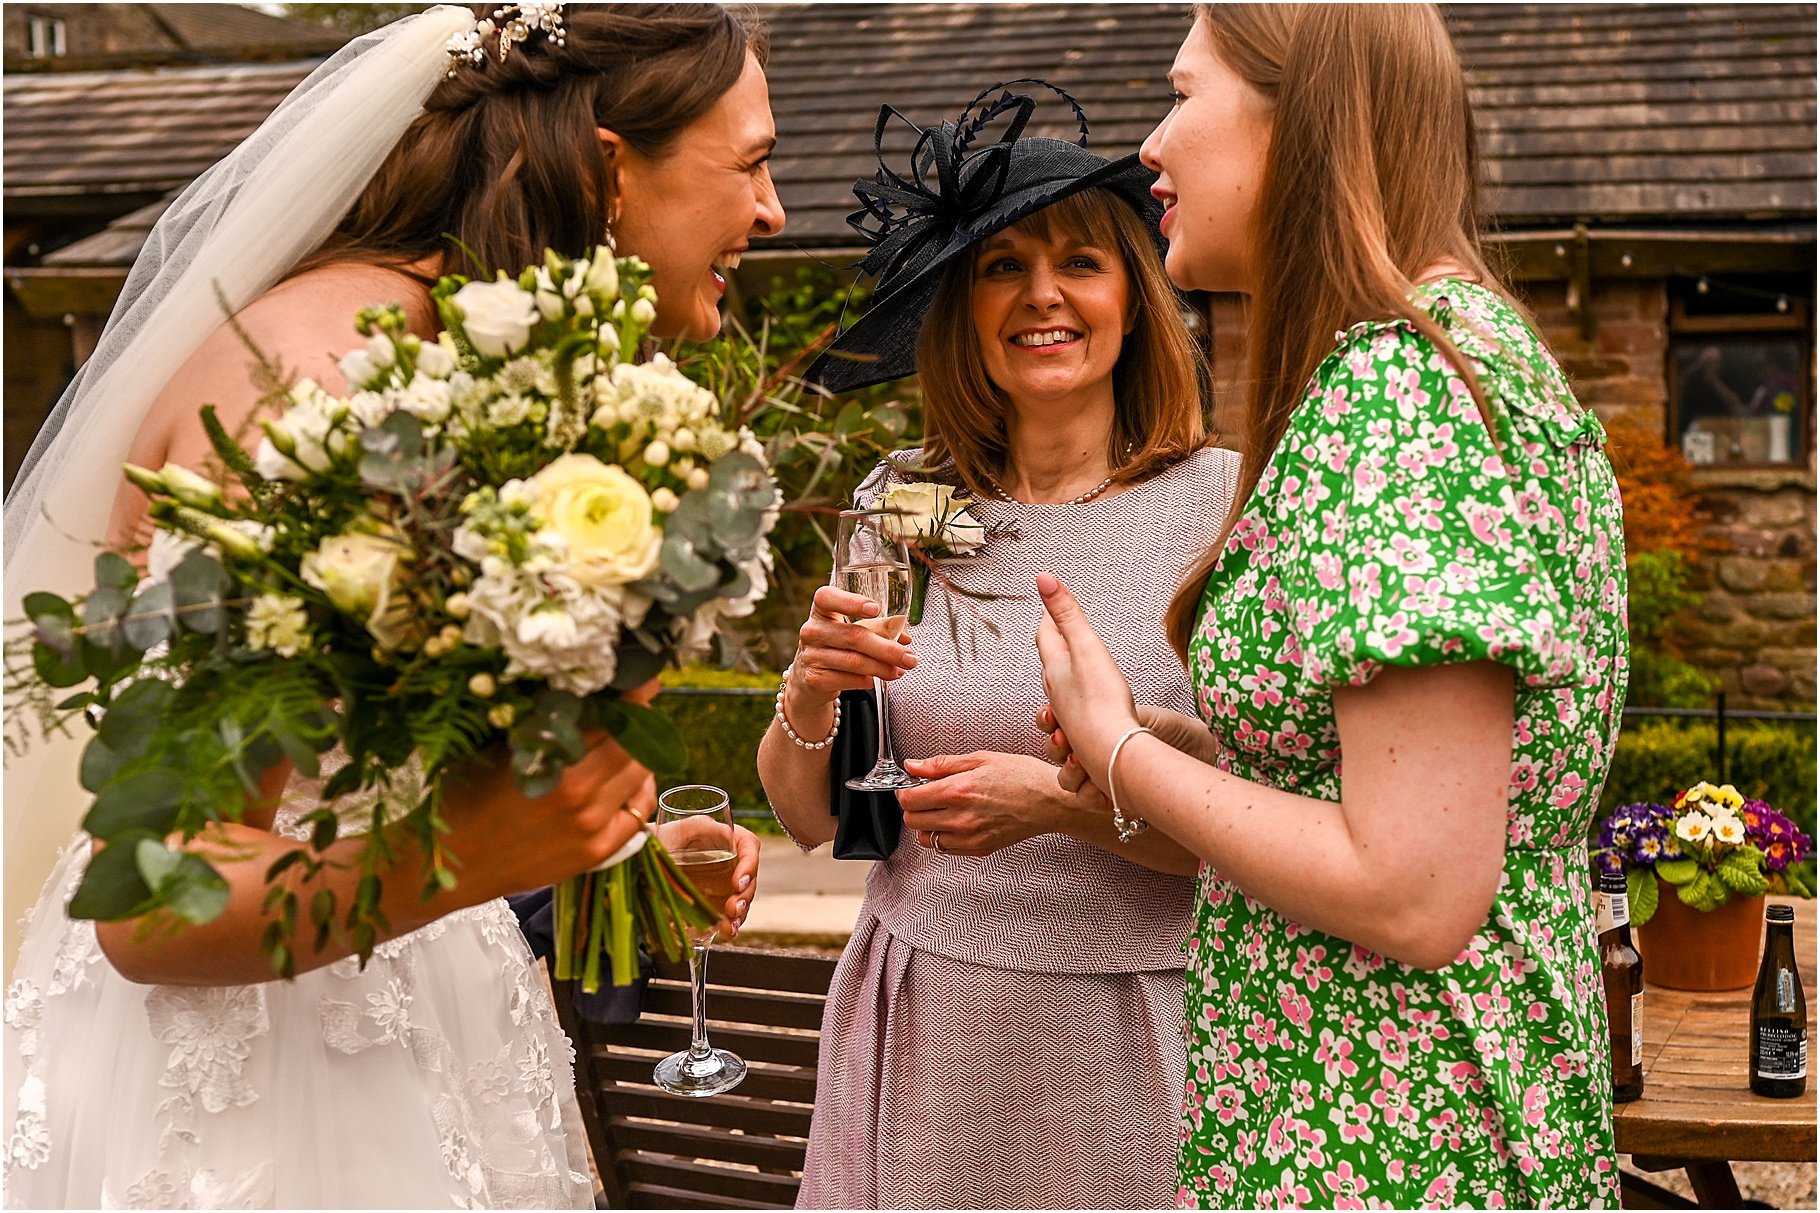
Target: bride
x=174, y=1073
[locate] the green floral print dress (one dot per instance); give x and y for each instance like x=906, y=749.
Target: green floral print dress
x=1389, y=530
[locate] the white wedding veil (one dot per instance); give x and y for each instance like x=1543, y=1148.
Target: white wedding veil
x=236, y=230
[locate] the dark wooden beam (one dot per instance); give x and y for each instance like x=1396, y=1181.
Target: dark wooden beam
x=54, y=294
x=1550, y=256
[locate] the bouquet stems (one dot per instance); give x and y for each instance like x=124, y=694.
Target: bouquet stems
x=602, y=912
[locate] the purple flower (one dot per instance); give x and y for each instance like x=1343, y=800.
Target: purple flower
x=1609, y=861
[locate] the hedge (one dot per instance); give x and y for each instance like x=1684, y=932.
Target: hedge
x=1765, y=760
x=723, y=732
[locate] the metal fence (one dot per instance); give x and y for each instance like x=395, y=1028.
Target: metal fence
x=1719, y=714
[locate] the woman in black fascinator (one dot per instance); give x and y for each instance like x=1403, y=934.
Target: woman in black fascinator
x=1003, y=1030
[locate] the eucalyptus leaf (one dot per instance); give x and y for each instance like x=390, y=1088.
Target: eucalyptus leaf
x=100, y=763
x=646, y=734
x=637, y=666
x=101, y=612
x=156, y=861
x=133, y=717
x=112, y=887
x=56, y=659
x=116, y=572
x=684, y=565
x=151, y=620
x=201, y=587
x=739, y=494
x=142, y=801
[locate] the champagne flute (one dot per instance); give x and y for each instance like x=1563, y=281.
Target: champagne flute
x=870, y=562
x=695, y=825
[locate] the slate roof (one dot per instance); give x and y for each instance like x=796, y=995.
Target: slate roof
x=1630, y=115
x=118, y=35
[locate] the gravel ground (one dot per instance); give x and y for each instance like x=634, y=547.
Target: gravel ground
x=1780, y=1185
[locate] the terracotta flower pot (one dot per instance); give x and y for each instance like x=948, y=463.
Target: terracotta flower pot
x=1686, y=949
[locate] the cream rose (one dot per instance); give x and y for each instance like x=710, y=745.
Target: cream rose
x=931, y=513
x=496, y=316
x=602, y=516
x=362, y=575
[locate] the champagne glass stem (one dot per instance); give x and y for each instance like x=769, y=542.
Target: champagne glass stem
x=887, y=754
x=698, y=996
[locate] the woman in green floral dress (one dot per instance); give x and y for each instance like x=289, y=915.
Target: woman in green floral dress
x=1393, y=994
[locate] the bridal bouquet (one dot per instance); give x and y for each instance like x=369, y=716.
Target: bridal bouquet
x=491, y=536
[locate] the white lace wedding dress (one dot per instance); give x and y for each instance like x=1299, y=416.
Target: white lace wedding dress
x=437, y=1077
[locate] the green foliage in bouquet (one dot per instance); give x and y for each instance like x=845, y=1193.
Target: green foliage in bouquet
x=492, y=536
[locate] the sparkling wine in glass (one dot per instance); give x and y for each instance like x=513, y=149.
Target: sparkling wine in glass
x=695, y=824
x=871, y=563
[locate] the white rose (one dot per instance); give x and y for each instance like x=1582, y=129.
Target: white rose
x=932, y=514
x=496, y=316
x=426, y=399
x=601, y=514
x=362, y=574
x=434, y=361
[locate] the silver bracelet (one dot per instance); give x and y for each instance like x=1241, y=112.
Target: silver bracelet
x=1128, y=827
x=784, y=720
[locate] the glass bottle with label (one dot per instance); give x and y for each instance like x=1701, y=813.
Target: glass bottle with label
x=1623, y=970
x=1778, y=1013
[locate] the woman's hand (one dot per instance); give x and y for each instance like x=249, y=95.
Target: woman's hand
x=745, y=883
x=1089, y=698
x=980, y=802
x=835, y=654
x=1184, y=733
x=507, y=842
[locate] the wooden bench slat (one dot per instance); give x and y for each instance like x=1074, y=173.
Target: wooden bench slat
x=764, y=1007
x=724, y=1111
x=794, y=972
x=694, y=1141
x=665, y=1036
x=719, y=1181
x=763, y=1082
x=654, y=1196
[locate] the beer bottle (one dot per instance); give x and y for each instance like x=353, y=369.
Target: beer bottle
x=1623, y=971
x=1778, y=1013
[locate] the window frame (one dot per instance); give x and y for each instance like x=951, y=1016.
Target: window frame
x=1742, y=326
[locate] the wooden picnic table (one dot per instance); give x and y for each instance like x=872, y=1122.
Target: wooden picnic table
x=1697, y=1112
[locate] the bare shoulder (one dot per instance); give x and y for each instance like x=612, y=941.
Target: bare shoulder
x=297, y=330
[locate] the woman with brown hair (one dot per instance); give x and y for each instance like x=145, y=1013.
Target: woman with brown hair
x=146, y=1070
x=1003, y=1029
x=1408, y=651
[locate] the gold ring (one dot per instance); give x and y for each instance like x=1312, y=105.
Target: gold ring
x=935, y=840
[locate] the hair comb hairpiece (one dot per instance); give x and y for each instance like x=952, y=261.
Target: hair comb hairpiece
x=515, y=23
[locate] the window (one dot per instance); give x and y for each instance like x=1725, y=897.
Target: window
x=1740, y=381
x=44, y=36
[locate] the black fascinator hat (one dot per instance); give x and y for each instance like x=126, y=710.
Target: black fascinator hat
x=960, y=190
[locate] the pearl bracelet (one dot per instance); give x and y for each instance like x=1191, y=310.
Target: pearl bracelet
x=1128, y=827
x=789, y=732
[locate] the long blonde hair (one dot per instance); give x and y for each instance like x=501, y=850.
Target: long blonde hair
x=1371, y=177
x=1158, y=383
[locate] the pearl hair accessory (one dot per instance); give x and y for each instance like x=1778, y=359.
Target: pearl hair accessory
x=515, y=23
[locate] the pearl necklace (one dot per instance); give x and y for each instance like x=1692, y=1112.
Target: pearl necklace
x=1089, y=495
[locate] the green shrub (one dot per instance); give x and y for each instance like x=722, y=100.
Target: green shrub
x=723, y=732
x=1765, y=760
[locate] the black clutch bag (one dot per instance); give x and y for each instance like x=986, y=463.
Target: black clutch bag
x=870, y=822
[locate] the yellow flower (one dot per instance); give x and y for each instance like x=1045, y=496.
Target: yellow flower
x=1728, y=796
x=601, y=515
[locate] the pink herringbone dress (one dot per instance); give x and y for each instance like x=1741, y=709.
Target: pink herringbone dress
x=1006, y=1032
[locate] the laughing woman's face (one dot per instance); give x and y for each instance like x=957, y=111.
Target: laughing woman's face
x=692, y=212
x=1209, y=156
